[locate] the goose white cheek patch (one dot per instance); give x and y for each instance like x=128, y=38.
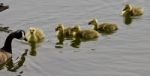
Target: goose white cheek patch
x=23, y=35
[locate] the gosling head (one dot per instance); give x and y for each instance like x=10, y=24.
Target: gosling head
x=76, y=28
x=127, y=8
x=93, y=22
x=59, y=27
x=32, y=30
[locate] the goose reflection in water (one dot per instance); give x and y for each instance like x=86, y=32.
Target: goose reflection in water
x=13, y=67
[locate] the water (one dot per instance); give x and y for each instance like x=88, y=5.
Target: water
x=124, y=53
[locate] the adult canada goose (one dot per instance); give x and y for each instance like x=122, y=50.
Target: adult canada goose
x=132, y=10
x=103, y=27
x=63, y=32
x=34, y=35
x=6, y=50
x=84, y=34
x=2, y=7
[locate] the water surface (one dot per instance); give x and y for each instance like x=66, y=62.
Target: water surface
x=124, y=53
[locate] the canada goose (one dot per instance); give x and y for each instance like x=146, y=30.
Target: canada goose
x=6, y=50
x=103, y=27
x=63, y=32
x=132, y=10
x=85, y=34
x=2, y=7
x=34, y=35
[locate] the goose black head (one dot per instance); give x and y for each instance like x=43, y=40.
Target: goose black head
x=19, y=34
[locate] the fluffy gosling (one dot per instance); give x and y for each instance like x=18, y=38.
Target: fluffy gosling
x=103, y=27
x=130, y=10
x=63, y=32
x=34, y=35
x=85, y=34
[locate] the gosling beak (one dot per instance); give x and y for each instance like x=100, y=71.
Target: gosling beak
x=122, y=13
x=56, y=29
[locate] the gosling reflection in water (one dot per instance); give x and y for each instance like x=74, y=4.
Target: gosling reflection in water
x=33, y=49
x=127, y=20
x=13, y=67
x=76, y=43
x=59, y=44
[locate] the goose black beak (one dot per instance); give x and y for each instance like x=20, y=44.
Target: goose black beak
x=25, y=39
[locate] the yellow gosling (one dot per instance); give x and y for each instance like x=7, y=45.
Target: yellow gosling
x=34, y=35
x=131, y=10
x=103, y=27
x=63, y=32
x=85, y=34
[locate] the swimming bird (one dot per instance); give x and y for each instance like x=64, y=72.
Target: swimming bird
x=6, y=50
x=63, y=32
x=132, y=10
x=103, y=27
x=84, y=34
x=34, y=35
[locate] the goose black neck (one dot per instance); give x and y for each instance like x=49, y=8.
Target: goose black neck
x=8, y=41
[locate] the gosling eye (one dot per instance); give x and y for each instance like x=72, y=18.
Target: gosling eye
x=56, y=29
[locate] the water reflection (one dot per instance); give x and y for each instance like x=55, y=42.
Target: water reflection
x=76, y=43
x=13, y=67
x=59, y=44
x=5, y=29
x=3, y=7
x=33, y=49
x=127, y=20
x=106, y=33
